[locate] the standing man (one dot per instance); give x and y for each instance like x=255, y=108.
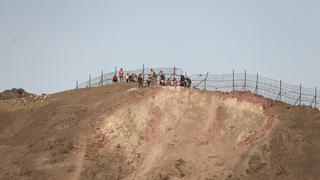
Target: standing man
x=188, y=80
x=140, y=80
x=154, y=77
x=149, y=80
x=182, y=81
x=121, y=75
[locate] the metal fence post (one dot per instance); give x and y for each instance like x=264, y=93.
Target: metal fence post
x=257, y=82
x=280, y=93
x=101, y=81
x=233, y=80
x=245, y=80
x=90, y=81
x=205, y=82
x=300, y=95
x=315, y=98
x=143, y=71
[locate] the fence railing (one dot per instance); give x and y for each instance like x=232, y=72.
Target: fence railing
x=260, y=85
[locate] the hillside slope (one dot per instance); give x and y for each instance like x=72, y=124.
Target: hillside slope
x=124, y=132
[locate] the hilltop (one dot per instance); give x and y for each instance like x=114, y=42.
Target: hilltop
x=124, y=132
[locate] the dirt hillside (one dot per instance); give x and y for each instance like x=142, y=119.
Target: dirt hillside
x=124, y=132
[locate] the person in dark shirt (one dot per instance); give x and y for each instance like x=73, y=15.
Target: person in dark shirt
x=115, y=78
x=140, y=80
x=188, y=81
x=182, y=80
x=149, y=80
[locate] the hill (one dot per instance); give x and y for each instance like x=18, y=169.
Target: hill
x=123, y=132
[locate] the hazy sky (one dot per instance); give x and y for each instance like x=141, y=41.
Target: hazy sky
x=45, y=46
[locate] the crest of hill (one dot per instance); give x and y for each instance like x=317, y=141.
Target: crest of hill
x=14, y=93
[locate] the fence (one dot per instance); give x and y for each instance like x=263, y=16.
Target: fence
x=260, y=85
x=269, y=88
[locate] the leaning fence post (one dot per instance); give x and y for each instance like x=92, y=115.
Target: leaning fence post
x=205, y=82
x=300, y=95
x=280, y=91
x=90, y=81
x=233, y=80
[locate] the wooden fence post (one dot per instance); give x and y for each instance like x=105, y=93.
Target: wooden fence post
x=77, y=86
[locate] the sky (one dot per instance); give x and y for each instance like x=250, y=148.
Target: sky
x=45, y=45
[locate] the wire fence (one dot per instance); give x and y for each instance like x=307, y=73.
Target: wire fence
x=260, y=85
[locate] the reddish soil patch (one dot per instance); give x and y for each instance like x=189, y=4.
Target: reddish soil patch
x=259, y=134
x=249, y=97
x=266, y=104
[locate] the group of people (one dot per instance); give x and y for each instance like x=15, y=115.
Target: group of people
x=127, y=78
x=152, y=79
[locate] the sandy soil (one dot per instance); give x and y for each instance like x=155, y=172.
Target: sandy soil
x=124, y=132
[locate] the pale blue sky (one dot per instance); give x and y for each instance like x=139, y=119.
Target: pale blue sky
x=45, y=46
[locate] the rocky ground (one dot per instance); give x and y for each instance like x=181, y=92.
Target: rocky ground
x=124, y=132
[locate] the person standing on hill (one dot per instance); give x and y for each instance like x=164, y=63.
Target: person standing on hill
x=188, y=81
x=121, y=75
x=135, y=78
x=149, y=80
x=162, y=79
x=154, y=77
x=182, y=80
x=140, y=80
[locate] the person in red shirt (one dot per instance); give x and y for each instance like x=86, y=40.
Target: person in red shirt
x=121, y=75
